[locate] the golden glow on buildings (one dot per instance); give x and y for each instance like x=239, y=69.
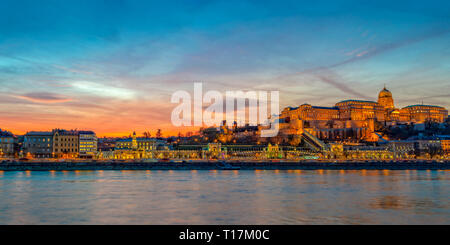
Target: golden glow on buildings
x=87, y=144
x=135, y=148
x=422, y=113
x=445, y=145
x=354, y=119
x=65, y=144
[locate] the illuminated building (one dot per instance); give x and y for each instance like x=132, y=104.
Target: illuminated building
x=87, y=144
x=386, y=100
x=423, y=113
x=368, y=153
x=135, y=148
x=65, y=143
x=7, y=144
x=353, y=120
x=402, y=149
x=360, y=110
x=445, y=145
x=38, y=145
x=348, y=119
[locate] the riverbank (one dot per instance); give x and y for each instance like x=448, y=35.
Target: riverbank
x=214, y=165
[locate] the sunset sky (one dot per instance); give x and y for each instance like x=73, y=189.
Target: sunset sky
x=112, y=66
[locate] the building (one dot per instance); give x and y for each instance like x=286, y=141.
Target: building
x=360, y=110
x=423, y=113
x=134, y=142
x=424, y=145
x=65, y=143
x=106, y=143
x=385, y=99
x=354, y=120
x=8, y=144
x=402, y=149
x=445, y=145
x=105, y=153
x=136, y=148
x=38, y=145
x=87, y=144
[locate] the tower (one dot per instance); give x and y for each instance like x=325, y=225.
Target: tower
x=385, y=99
x=134, y=145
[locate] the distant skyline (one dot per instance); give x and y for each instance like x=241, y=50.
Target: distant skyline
x=111, y=66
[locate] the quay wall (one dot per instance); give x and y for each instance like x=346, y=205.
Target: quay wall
x=211, y=165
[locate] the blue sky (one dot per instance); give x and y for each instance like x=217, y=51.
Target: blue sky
x=116, y=63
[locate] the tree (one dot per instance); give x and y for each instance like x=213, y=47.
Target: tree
x=209, y=133
x=431, y=127
x=434, y=151
x=147, y=134
x=379, y=127
x=295, y=140
x=158, y=134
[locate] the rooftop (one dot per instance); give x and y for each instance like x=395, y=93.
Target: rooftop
x=363, y=101
x=137, y=139
x=434, y=106
x=325, y=107
x=86, y=132
x=39, y=133
x=5, y=133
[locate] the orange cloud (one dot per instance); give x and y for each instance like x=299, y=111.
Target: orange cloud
x=43, y=97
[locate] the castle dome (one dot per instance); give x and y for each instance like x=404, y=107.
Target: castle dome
x=385, y=99
x=384, y=93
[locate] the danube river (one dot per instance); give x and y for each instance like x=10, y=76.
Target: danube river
x=225, y=197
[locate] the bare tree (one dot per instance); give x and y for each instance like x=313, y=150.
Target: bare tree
x=147, y=134
x=158, y=134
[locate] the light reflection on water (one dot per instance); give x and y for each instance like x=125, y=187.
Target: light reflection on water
x=225, y=197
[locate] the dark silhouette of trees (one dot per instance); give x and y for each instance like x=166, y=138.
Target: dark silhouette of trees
x=158, y=134
x=147, y=134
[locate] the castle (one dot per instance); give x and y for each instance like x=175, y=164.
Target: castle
x=355, y=119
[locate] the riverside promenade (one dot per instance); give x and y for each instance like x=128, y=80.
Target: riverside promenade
x=216, y=165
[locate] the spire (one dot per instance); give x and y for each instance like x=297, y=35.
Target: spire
x=134, y=141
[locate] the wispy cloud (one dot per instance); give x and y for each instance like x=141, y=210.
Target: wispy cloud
x=334, y=81
x=103, y=90
x=359, y=55
x=120, y=71
x=78, y=71
x=43, y=97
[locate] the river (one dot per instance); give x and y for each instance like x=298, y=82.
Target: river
x=225, y=197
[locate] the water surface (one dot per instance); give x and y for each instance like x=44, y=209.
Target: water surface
x=225, y=197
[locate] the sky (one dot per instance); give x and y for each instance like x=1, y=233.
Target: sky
x=112, y=66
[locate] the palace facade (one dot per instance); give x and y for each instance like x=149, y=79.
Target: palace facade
x=354, y=119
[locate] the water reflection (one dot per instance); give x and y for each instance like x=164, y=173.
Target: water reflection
x=225, y=197
x=401, y=202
